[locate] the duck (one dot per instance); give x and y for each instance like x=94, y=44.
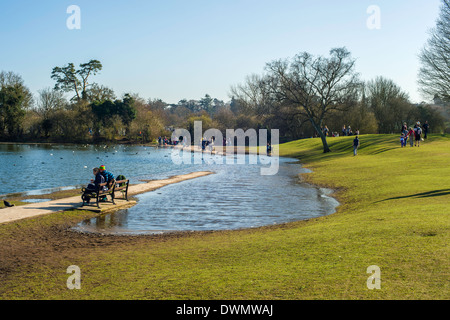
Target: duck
x=7, y=204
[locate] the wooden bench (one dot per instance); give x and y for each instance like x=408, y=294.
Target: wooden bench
x=118, y=186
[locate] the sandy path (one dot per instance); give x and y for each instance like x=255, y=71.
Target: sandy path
x=43, y=208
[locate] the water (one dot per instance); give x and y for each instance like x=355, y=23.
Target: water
x=235, y=197
x=35, y=169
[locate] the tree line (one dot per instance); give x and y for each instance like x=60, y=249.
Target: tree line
x=299, y=96
x=274, y=100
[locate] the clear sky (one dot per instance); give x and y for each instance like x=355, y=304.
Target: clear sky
x=176, y=49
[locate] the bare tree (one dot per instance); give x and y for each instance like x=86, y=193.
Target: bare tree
x=434, y=76
x=389, y=104
x=253, y=96
x=49, y=100
x=314, y=86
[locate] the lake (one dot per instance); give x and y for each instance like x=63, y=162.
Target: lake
x=35, y=168
x=235, y=196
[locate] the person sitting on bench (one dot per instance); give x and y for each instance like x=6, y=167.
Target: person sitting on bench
x=94, y=185
x=109, y=179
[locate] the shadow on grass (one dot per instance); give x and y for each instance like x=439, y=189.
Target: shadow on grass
x=429, y=194
x=312, y=149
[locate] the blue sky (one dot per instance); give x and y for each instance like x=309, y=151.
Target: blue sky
x=177, y=49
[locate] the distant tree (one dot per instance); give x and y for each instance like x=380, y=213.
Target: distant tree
x=218, y=104
x=49, y=101
x=252, y=96
x=309, y=86
x=176, y=115
x=225, y=119
x=389, y=104
x=206, y=104
x=436, y=120
x=147, y=125
x=192, y=105
x=100, y=93
x=205, y=119
x=68, y=79
x=434, y=75
x=157, y=104
x=235, y=105
x=32, y=124
x=106, y=112
x=15, y=99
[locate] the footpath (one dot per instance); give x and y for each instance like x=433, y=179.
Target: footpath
x=16, y=213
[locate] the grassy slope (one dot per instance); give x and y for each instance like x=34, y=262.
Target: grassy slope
x=394, y=214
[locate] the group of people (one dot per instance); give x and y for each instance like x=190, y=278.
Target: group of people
x=167, y=141
x=101, y=176
x=414, y=134
x=207, y=143
x=346, y=131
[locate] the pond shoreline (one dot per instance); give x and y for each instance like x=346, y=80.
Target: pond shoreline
x=32, y=210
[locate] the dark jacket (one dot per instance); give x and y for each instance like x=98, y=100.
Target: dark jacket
x=94, y=186
x=108, y=176
x=99, y=179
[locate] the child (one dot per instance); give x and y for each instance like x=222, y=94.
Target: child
x=403, y=140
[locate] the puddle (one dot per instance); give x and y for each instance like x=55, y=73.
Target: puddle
x=235, y=197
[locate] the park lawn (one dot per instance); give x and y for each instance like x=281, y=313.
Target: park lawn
x=394, y=214
x=14, y=202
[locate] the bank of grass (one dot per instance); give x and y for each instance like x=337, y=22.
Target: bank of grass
x=23, y=199
x=394, y=213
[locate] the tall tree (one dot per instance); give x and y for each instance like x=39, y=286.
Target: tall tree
x=105, y=111
x=100, y=93
x=15, y=99
x=310, y=86
x=389, y=104
x=434, y=75
x=49, y=101
x=68, y=79
x=206, y=103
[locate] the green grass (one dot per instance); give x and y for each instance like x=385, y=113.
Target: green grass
x=14, y=202
x=394, y=213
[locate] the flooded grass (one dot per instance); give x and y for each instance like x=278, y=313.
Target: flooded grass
x=381, y=221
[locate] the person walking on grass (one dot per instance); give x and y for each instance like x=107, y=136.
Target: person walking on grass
x=426, y=127
x=355, y=145
x=417, y=135
x=404, y=127
x=403, y=140
x=411, y=136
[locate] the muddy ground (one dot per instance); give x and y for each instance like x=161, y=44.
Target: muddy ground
x=26, y=244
